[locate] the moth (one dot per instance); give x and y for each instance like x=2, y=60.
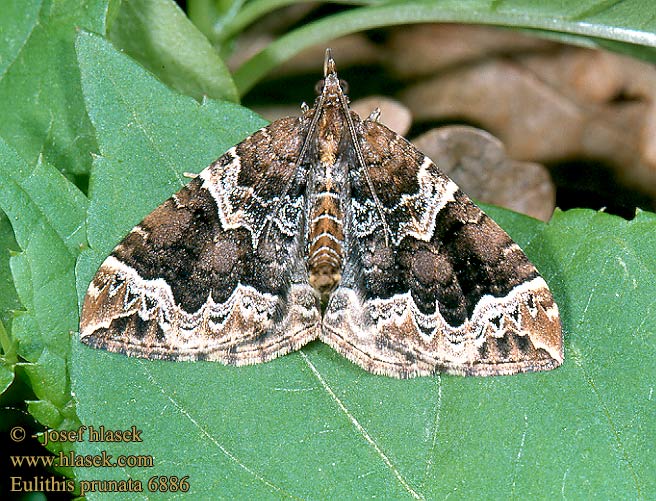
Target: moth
x=325, y=226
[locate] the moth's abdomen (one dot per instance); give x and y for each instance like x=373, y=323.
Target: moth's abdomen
x=325, y=235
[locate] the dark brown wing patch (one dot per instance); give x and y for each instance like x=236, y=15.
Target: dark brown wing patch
x=451, y=292
x=199, y=279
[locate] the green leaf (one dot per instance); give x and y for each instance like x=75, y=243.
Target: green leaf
x=47, y=214
x=159, y=35
x=216, y=17
x=8, y=297
x=313, y=425
x=620, y=26
x=9, y=303
x=7, y=360
x=42, y=108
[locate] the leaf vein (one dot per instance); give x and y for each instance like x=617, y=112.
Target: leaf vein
x=363, y=432
x=436, y=425
x=144, y=130
x=211, y=438
x=518, y=458
x=576, y=357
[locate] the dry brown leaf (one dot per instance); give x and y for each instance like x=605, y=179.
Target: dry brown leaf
x=551, y=114
x=477, y=162
x=393, y=114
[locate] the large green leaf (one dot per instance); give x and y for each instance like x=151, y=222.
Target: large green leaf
x=8, y=298
x=47, y=215
x=621, y=26
x=159, y=35
x=42, y=107
x=9, y=303
x=313, y=425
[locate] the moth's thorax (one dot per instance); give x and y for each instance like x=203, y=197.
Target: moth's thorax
x=326, y=196
x=330, y=128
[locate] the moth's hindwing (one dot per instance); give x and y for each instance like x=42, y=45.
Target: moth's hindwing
x=449, y=291
x=213, y=273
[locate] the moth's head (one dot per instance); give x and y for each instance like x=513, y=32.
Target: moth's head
x=331, y=87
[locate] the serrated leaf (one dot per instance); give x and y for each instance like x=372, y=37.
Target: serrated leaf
x=42, y=108
x=47, y=214
x=159, y=35
x=313, y=425
x=8, y=304
x=8, y=297
x=7, y=360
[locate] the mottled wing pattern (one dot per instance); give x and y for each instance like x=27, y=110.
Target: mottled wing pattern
x=417, y=279
x=217, y=271
x=448, y=292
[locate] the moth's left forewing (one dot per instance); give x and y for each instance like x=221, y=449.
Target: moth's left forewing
x=448, y=292
x=216, y=272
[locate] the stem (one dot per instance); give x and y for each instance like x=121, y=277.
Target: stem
x=8, y=348
x=256, y=9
